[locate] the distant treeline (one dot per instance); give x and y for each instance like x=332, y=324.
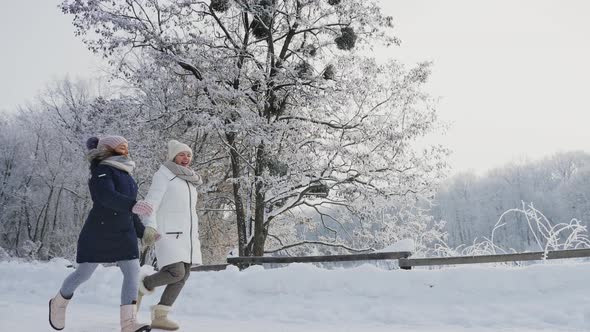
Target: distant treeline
x=558, y=186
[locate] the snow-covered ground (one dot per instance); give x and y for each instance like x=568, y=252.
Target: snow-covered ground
x=544, y=297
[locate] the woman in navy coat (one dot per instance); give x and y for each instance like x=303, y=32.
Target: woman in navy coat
x=110, y=232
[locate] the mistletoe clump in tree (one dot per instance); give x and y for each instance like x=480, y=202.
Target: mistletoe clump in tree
x=219, y=5
x=259, y=77
x=347, y=40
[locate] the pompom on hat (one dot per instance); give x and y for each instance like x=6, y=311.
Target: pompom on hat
x=92, y=143
x=106, y=141
x=175, y=147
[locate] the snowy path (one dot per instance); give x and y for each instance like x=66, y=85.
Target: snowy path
x=551, y=297
x=25, y=317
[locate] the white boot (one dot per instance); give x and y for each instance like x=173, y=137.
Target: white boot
x=143, y=290
x=57, y=311
x=129, y=320
x=160, y=318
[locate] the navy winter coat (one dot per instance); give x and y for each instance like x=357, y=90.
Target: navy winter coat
x=111, y=230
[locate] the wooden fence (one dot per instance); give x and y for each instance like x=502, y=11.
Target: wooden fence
x=319, y=259
x=408, y=263
x=402, y=257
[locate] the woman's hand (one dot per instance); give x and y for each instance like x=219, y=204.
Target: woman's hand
x=143, y=208
x=150, y=236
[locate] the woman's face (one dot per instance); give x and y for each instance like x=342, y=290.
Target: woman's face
x=122, y=149
x=183, y=158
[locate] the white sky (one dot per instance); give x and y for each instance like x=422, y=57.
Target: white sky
x=38, y=46
x=512, y=74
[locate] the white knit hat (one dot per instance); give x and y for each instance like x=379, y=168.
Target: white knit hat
x=175, y=147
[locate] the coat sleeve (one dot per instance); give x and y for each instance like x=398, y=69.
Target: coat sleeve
x=154, y=196
x=105, y=193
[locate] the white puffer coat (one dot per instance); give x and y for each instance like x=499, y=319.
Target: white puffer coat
x=175, y=218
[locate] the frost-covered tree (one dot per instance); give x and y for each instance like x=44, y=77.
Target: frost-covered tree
x=43, y=169
x=277, y=99
x=472, y=205
x=41, y=202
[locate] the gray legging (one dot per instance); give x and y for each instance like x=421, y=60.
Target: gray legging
x=83, y=272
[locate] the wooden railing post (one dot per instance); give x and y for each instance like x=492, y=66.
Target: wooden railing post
x=404, y=264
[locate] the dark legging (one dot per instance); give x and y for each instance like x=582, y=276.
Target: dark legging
x=173, y=276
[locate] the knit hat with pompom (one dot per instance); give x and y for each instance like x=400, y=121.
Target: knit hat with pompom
x=106, y=141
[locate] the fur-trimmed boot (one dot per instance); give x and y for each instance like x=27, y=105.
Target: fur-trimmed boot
x=160, y=318
x=57, y=311
x=129, y=320
x=143, y=290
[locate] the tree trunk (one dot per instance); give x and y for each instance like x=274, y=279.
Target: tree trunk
x=5, y=177
x=239, y=205
x=41, y=236
x=259, y=229
x=27, y=215
x=40, y=225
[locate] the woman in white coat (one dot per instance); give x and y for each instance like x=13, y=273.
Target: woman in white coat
x=170, y=217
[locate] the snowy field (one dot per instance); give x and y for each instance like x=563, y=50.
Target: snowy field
x=544, y=297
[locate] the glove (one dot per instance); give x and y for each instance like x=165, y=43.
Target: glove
x=143, y=208
x=150, y=235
